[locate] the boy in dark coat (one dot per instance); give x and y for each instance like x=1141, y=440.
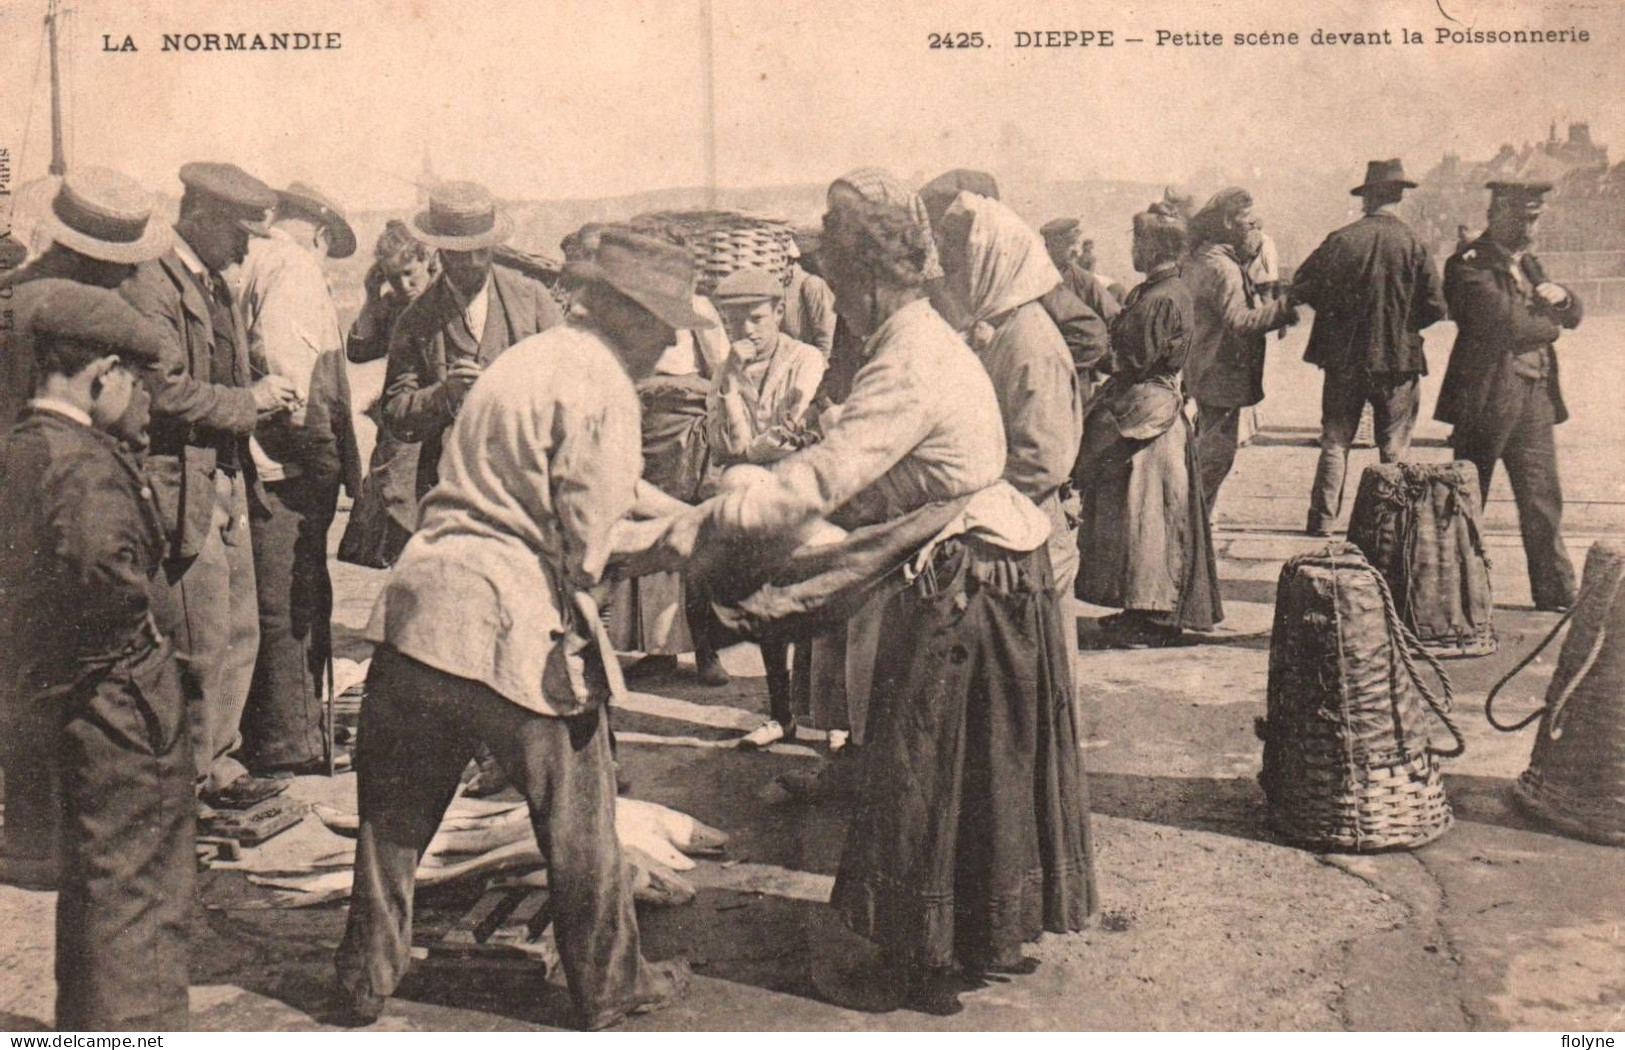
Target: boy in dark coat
x=85, y=670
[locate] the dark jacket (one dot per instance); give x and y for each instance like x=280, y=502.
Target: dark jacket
x=1374, y=288
x=417, y=405
x=1083, y=329
x=1083, y=284
x=80, y=540
x=1496, y=320
x=189, y=412
x=334, y=455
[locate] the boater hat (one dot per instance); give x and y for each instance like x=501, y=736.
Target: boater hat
x=306, y=199
x=461, y=217
x=656, y=275
x=1383, y=173
x=104, y=215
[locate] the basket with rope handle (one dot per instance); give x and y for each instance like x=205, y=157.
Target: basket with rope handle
x=1417, y=523
x=1349, y=758
x=1576, y=775
x=724, y=242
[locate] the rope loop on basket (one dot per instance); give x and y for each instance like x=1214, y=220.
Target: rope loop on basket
x=1556, y=707
x=1408, y=647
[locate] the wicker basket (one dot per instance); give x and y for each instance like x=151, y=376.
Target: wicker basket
x=726, y=241
x=1417, y=523
x=1576, y=775
x=1349, y=765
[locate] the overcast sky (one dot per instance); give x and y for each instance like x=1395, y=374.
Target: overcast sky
x=577, y=98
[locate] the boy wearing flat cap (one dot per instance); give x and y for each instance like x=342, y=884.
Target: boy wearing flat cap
x=488, y=634
x=205, y=404
x=756, y=407
x=1500, y=391
x=101, y=224
x=88, y=674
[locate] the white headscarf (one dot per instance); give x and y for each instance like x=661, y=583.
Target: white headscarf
x=1005, y=257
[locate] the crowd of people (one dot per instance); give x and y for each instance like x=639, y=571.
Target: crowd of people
x=896, y=466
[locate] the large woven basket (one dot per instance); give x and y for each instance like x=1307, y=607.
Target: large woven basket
x=1349, y=765
x=1576, y=775
x=726, y=241
x=1417, y=523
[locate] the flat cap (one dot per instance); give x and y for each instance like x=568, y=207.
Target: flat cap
x=232, y=186
x=61, y=309
x=1055, y=229
x=752, y=284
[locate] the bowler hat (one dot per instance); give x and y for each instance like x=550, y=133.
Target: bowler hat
x=1383, y=173
x=656, y=275
x=61, y=309
x=104, y=215
x=247, y=198
x=306, y=199
x=750, y=285
x=461, y=217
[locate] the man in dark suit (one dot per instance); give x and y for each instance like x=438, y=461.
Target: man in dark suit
x=88, y=677
x=1501, y=389
x=1374, y=288
x=465, y=320
x=204, y=407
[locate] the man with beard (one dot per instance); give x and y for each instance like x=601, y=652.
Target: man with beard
x=1500, y=391
x=1225, y=369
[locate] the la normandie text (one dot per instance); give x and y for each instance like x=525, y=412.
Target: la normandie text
x=191, y=42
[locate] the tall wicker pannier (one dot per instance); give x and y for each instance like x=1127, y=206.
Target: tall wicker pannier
x=1576, y=775
x=1418, y=525
x=1349, y=762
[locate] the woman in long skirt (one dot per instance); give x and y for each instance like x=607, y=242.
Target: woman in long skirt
x=1144, y=542
x=970, y=835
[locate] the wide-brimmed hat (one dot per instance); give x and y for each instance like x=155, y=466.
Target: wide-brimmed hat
x=306, y=199
x=104, y=215
x=461, y=217
x=1524, y=195
x=238, y=193
x=656, y=275
x=1383, y=173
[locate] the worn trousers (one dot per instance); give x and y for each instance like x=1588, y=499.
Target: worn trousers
x=218, y=633
x=419, y=727
x=1529, y=451
x=128, y=864
x=282, y=724
x=1218, y=434
x=1393, y=397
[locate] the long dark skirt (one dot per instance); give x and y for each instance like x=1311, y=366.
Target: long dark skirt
x=971, y=834
x=1144, y=540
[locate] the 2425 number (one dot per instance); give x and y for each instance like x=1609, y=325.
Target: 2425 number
x=935, y=41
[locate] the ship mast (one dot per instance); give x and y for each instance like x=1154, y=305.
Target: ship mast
x=59, y=162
